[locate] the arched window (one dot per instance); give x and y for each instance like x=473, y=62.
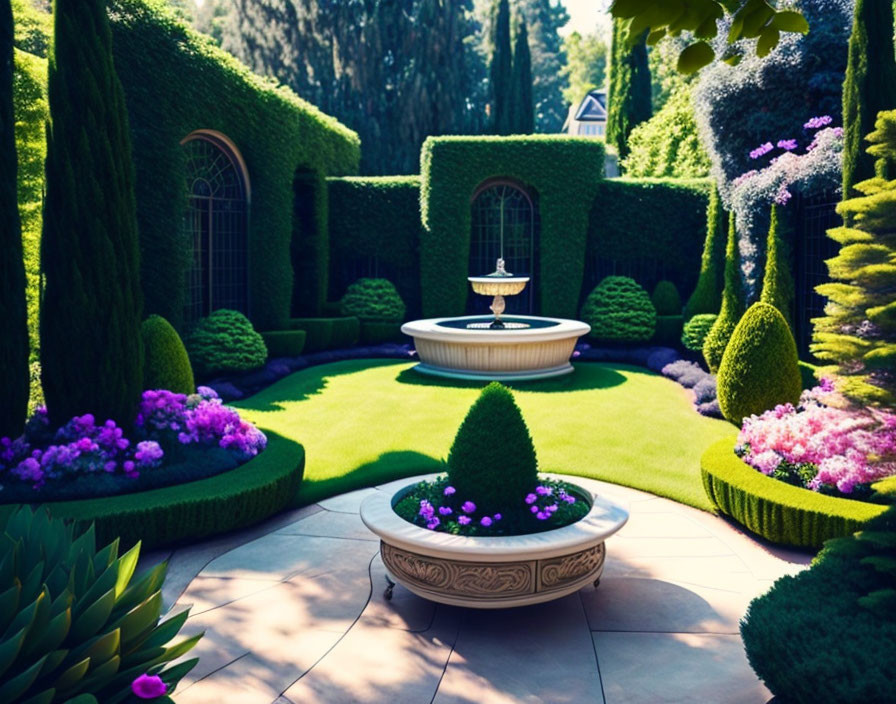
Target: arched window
x=216, y=226
x=503, y=206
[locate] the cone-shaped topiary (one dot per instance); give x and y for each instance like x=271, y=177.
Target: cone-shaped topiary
x=666, y=299
x=13, y=310
x=166, y=363
x=492, y=461
x=760, y=368
x=777, y=285
x=707, y=296
x=696, y=330
x=373, y=300
x=619, y=310
x=225, y=342
x=732, y=305
x=73, y=627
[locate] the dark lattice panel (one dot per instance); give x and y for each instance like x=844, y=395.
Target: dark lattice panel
x=812, y=247
x=216, y=227
x=520, y=225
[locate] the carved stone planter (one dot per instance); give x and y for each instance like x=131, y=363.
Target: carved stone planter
x=493, y=573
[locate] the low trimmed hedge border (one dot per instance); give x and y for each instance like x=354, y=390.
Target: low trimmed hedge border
x=261, y=487
x=781, y=513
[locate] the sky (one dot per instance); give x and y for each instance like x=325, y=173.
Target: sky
x=584, y=15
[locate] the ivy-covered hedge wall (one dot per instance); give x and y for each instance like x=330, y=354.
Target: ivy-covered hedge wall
x=176, y=81
x=649, y=229
x=375, y=233
x=561, y=173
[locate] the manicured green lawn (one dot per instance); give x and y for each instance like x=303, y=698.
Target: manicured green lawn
x=369, y=421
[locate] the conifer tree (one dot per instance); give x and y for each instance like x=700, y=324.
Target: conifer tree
x=630, y=97
x=501, y=69
x=777, y=285
x=522, y=107
x=870, y=85
x=706, y=298
x=91, y=349
x=732, y=305
x=14, y=377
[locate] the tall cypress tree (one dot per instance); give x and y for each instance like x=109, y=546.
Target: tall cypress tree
x=707, y=296
x=14, y=376
x=91, y=349
x=630, y=95
x=501, y=70
x=732, y=304
x=777, y=284
x=870, y=85
x=522, y=107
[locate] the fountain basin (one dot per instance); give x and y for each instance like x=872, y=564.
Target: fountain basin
x=493, y=572
x=448, y=348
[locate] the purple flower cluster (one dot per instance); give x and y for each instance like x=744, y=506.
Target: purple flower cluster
x=761, y=150
x=544, y=504
x=816, y=123
x=465, y=514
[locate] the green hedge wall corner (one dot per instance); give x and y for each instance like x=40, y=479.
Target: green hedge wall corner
x=374, y=333
x=284, y=343
x=780, y=512
x=166, y=364
x=760, y=367
x=619, y=310
x=328, y=333
x=560, y=173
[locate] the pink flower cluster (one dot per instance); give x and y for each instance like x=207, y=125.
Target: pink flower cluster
x=842, y=448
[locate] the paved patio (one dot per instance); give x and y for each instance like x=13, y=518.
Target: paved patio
x=294, y=612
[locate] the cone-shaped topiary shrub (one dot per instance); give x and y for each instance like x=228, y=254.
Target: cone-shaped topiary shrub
x=828, y=634
x=166, y=364
x=760, y=368
x=696, y=330
x=373, y=299
x=777, y=284
x=73, y=628
x=225, y=342
x=707, y=295
x=732, y=305
x=666, y=299
x=492, y=461
x=619, y=310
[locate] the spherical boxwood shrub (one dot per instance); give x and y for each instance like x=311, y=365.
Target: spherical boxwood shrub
x=695, y=331
x=492, y=460
x=760, y=367
x=373, y=299
x=619, y=310
x=166, y=362
x=665, y=299
x=225, y=342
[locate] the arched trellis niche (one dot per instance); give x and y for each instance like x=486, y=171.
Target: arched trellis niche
x=216, y=225
x=504, y=205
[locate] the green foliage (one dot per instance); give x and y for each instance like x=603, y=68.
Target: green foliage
x=375, y=333
x=629, y=100
x=777, y=285
x=732, y=305
x=189, y=512
x=706, y=297
x=501, y=69
x=13, y=309
x=74, y=623
x=284, y=343
x=750, y=19
x=779, y=512
x=696, y=329
x=328, y=333
x=668, y=330
x=277, y=133
x=376, y=219
x=492, y=460
x=660, y=223
x=586, y=65
x=809, y=375
x=869, y=88
x=33, y=27
x=666, y=299
x=858, y=331
x=827, y=634
x=759, y=369
x=562, y=174
x=667, y=144
x=29, y=95
x=522, y=108
x=91, y=351
x=619, y=310
x=166, y=363
x=223, y=343
x=373, y=300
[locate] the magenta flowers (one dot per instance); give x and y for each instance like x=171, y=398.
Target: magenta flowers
x=149, y=687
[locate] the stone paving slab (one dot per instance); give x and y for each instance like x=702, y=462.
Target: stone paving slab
x=330, y=524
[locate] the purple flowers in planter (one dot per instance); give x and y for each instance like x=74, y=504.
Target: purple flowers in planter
x=468, y=507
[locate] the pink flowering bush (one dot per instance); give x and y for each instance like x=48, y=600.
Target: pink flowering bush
x=821, y=446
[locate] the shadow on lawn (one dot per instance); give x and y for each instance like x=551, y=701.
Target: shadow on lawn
x=585, y=377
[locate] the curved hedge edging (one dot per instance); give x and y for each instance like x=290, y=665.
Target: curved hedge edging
x=250, y=493
x=779, y=512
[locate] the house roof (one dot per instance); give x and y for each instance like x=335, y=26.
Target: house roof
x=593, y=107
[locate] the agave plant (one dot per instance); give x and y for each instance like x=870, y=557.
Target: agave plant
x=73, y=628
